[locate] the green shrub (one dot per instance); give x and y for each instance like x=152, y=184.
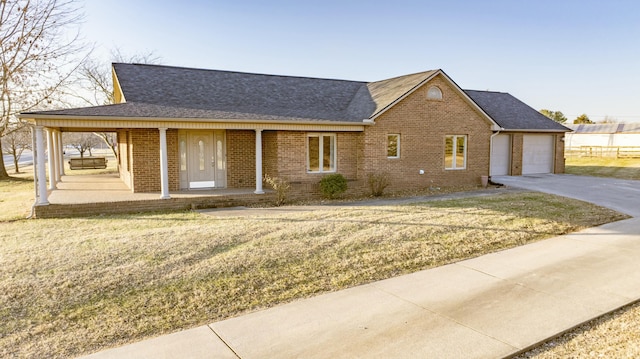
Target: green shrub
x=333, y=185
x=281, y=186
x=377, y=183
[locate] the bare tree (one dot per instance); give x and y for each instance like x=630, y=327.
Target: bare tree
x=81, y=141
x=97, y=79
x=36, y=55
x=17, y=139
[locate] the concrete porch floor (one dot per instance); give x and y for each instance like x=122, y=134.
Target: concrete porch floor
x=100, y=188
x=100, y=194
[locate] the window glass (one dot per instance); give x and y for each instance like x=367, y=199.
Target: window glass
x=460, y=149
x=201, y=154
x=434, y=93
x=455, y=152
x=183, y=155
x=327, y=153
x=219, y=155
x=321, y=153
x=314, y=154
x=393, y=146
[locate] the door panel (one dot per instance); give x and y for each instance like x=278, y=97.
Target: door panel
x=537, y=154
x=201, y=160
x=501, y=155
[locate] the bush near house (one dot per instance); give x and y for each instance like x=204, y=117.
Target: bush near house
x=281, y=186
x=333, y=185
x=377, y=183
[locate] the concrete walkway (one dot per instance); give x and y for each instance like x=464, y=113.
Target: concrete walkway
x=488, y=307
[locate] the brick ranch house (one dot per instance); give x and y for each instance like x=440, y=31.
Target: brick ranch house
x=182, y=129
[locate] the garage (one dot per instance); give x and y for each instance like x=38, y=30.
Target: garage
x=501, y=155
x=537, y=154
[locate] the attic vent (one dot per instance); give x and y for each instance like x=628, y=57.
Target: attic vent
x=434, y=93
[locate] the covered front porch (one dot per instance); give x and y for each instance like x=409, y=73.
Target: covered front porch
x=96, y=194
x=149, y=158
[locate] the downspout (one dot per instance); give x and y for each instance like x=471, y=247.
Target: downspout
x=491, y=148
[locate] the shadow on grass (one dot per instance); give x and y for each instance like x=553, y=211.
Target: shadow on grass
x=16, y=179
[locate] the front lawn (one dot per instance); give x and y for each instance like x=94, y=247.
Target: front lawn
x=75, y=286
x=624, y=168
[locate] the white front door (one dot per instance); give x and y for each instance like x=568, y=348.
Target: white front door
x=206, y=159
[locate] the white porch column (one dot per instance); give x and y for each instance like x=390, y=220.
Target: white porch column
x=60, y=153
x=258, y=162
x=55, y=158
x=42, y=175
x=164, y=164
x=51, y=159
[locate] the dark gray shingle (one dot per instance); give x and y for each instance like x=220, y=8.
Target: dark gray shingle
x=511, y=113
x=253, y=95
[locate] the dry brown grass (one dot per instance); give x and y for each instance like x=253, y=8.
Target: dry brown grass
x=16, y=196
x=73, y=286
x=615, y=335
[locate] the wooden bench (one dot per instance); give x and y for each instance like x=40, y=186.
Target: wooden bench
x=87, y=163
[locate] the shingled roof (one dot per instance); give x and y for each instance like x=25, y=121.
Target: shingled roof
x=513, y=114
x=607, y=128
x=156, y=91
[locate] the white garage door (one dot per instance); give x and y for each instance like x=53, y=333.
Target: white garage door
x=537, y=154
x=501, y=155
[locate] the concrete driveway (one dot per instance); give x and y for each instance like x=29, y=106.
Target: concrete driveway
x=620, y=195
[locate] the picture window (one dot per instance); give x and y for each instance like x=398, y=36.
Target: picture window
x=321, y=153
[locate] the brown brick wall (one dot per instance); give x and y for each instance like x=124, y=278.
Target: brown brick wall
x=270, y=146
x=423, y=125
x=241, y=158
x=516, y=154
x=285, y=156
x=145, y=164
x=558, y=166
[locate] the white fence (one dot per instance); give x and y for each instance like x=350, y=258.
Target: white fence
x=603, y=151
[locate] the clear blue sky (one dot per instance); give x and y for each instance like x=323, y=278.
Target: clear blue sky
x=572, y=56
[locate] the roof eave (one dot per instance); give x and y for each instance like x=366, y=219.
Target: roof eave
x=28, y=116
x=533, y=130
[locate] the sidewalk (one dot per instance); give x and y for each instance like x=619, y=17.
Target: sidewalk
x=487, y=307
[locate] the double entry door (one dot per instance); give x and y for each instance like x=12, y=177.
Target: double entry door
x=203, y=162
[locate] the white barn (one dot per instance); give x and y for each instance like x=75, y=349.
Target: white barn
x=605, y=138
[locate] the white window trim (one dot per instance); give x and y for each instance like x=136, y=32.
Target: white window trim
x=455, y=153
x=321, y=152
x=397, y=145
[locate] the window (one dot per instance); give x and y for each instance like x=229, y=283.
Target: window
x=183, y=154
x=434, y=93
x=393, y=146
x=321, y=152
x=455, y=152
